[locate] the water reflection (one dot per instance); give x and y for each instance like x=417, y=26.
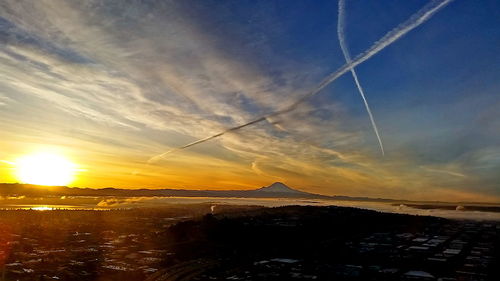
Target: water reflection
x=42, y=208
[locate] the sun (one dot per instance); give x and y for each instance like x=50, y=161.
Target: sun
x=45, y=169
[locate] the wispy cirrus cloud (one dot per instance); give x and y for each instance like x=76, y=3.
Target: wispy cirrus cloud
x=116, y=83
x=413, y=22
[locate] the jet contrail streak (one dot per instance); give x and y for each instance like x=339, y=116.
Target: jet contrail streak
x=347, y=56
x=414, y=21
x=157, y=157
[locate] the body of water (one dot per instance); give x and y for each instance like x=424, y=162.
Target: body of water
x=106, y=203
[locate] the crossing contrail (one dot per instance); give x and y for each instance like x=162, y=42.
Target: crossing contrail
x=347, y=56
x=392, y=36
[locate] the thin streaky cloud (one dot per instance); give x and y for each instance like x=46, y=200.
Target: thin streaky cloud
x=347, y=56
x=158, y=157
x=392, y=36
x=451, y=173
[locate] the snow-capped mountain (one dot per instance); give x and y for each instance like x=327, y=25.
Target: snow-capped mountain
x=279, y=187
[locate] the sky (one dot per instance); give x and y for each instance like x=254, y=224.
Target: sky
x=112, y=84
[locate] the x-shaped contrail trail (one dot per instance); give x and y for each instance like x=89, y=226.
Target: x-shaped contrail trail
x=392, y=36
x=347, y=56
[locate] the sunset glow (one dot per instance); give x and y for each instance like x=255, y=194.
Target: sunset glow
x=45, y=169
x=249, y=140
x=335, y=98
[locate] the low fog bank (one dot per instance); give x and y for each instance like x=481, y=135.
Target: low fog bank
x=80, y=202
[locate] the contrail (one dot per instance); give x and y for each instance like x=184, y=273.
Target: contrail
x=347, y=56
x=159, y=156
x=414, y=21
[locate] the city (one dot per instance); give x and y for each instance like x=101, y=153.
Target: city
x=244, y=243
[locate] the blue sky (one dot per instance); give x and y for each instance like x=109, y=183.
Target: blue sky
x=114, y=83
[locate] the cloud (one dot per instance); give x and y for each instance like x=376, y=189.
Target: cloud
x=450, y=173
x=347, y=56
x=4, y=101
x=413, y=22
x=116, y=202
x=115, y=83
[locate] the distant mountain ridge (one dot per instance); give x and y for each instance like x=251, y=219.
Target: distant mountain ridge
x=275, y=190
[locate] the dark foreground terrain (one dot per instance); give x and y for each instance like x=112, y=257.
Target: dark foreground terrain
x=189, y=242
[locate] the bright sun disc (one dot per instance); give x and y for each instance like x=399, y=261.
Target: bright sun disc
x=45, y=169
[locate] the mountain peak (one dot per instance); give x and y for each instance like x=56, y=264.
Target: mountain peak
x=278, y=187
